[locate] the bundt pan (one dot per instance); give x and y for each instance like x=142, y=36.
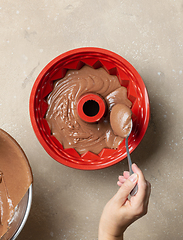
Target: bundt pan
x=114, y=65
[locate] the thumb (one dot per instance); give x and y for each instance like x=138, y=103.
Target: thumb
x=126, y=188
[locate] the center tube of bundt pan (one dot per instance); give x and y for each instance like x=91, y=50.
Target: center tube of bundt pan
x=91, y=107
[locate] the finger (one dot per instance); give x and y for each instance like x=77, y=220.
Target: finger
x=122, y=194
x=142, y=184
x=137, y=170
x=143, y=193
x=122, y=179
x=145, y=203
x=119, y=183
x=126, y=174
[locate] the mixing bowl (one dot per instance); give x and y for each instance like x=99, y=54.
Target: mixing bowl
x=16, y=186
x=114, y=65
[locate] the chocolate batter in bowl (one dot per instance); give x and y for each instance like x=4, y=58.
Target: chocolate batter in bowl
x=46, y=89
x=15, y=187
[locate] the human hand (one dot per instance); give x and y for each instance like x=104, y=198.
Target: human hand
x=120, y=211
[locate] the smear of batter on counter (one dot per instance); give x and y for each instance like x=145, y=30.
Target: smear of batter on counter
x=62, y=117
x=15, y=178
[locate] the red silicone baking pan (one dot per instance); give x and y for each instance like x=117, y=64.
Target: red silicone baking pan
x=114, y=65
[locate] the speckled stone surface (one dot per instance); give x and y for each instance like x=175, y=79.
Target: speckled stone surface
x=67, y=203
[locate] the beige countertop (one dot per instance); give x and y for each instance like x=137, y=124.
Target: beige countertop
x=67, y=203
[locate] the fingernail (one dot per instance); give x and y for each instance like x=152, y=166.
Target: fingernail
x=133, y=177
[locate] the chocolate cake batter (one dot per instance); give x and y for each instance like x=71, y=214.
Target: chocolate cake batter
x=62, y=117
x=15, y=178
x=120, y=120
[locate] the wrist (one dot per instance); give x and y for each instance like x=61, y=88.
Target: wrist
x=106, y=236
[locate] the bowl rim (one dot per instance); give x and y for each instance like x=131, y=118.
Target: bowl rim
x=29, y=203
